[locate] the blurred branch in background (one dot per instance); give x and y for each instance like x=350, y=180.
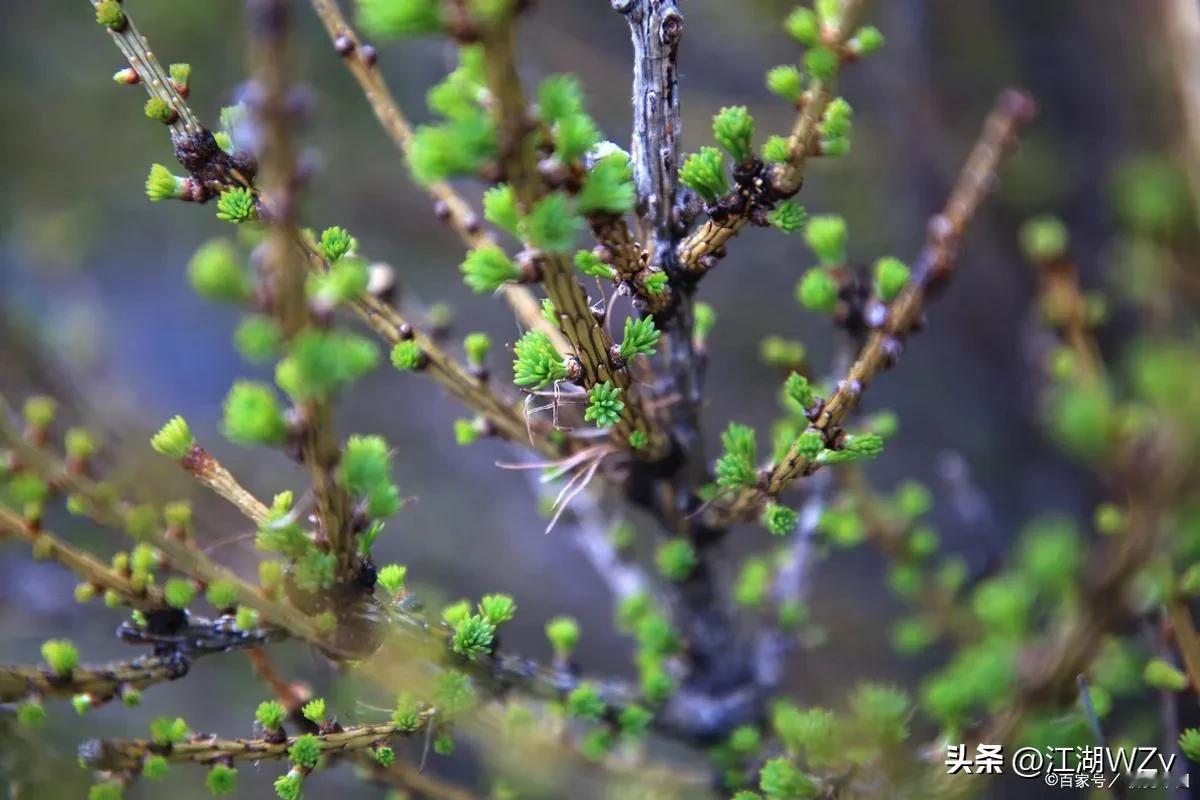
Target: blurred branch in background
x=1180, y=22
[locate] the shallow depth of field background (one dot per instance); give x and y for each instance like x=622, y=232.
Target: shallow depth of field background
x=94, y=306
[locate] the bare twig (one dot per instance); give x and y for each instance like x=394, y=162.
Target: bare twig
x=201, y=465
x=473, y=391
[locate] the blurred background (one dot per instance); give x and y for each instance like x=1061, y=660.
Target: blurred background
x=95, y=307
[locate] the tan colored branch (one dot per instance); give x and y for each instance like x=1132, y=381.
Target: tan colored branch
x=505, y=415
x=128, y=754
x=1186, y=638
x=102, y=683
x=934, y=266
x=153, y=76
x=804, y=140
x=932, y=269
x=628, y=256
x=287, y=266
x=292, y=696
x=205, y=468
x=787, y=178
x=109, y=510
x=360, y=59
x=94, y=572
x=1180, y=20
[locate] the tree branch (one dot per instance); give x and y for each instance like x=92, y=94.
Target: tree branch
x=700, y=250
x=94, y=572
x=933, y=268
x=589, y=341
x=506, y=415
x=100, y=683
x=128, y=754
x=362, y=61
x=282, y=261
x=1180, y=20
x=1186, y=637
x=205, y=468
x=656, y=28
x=157, y=80
x=107, y=509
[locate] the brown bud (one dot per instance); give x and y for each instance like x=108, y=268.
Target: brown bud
x=530, y=264
x=343, y=44
x=491, y=172
x=194, y=191
x=276, y=736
